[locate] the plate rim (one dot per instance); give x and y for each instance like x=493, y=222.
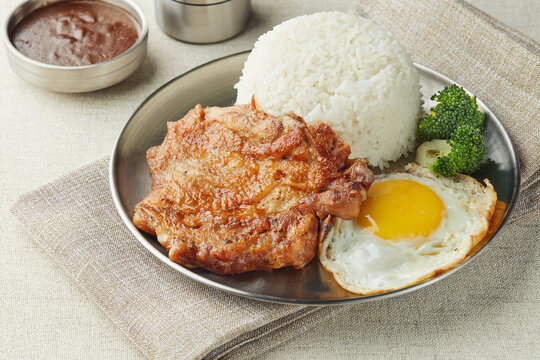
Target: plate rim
x=113, y=186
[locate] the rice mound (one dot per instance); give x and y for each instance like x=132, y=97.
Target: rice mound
x=344, y=70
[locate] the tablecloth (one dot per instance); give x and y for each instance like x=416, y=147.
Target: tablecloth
x=44, y=315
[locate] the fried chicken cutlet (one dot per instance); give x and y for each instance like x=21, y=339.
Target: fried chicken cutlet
x=235, y=189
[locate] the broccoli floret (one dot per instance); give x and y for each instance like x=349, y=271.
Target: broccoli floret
x=455, y=108
x=467, y=148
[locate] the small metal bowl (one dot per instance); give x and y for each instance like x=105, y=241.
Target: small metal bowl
x=76, y=79
x=202, y=21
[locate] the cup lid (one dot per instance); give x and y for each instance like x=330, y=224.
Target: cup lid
x=201, y=2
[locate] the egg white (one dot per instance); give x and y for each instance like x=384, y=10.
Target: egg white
x=366, y=264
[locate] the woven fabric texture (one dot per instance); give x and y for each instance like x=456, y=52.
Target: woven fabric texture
x=167, y=315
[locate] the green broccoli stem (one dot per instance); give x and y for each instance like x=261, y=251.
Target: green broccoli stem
x=429, y=151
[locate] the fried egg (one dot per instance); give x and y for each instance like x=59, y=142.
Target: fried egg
x=412, y=226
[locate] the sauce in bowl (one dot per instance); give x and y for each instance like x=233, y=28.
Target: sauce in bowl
x=75, y=33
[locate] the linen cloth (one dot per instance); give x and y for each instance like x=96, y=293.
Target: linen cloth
x=264, y=331
x=167, y=315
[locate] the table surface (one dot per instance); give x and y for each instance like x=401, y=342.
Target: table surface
x=45, y=315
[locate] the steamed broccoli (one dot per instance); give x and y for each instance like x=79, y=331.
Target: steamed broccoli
x=455, y=108
x=463, y=153
x=454, y=127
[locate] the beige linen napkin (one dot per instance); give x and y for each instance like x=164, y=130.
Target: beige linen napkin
x=167, y=315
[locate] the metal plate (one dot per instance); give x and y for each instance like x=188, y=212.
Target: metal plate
x=212, y=85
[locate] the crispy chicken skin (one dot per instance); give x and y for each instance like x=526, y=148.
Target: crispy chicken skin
x=235, y=189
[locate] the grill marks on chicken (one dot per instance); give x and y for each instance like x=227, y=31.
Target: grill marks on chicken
x=235, y=189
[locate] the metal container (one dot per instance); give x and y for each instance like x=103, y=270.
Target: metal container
x=202, y=21
x=76, y=79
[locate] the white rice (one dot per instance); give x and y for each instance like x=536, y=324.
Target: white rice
x=344, y=70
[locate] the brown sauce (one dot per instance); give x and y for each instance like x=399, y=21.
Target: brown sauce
x=75, y=33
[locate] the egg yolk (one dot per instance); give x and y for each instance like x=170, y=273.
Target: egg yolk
x=398, y=209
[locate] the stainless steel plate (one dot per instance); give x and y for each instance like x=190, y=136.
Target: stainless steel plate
x=212, y=85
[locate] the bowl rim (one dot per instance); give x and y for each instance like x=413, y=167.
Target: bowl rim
x=140, y=40
x=273, y=299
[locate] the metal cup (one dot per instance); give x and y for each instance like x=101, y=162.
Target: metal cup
x=202, y=21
